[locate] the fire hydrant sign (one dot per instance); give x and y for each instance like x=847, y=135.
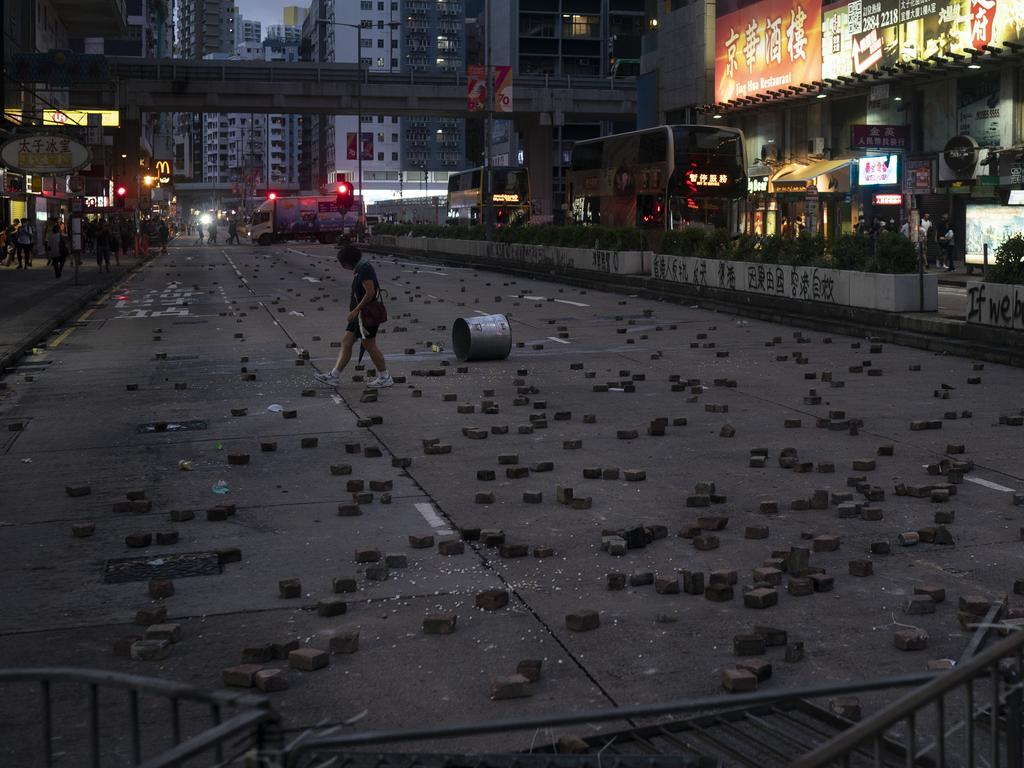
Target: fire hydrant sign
x=44, y=154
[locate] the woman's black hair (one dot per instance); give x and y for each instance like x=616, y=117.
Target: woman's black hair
x=349, y=256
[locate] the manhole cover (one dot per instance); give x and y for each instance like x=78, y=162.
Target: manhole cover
x=123, y=569
x=170, y=426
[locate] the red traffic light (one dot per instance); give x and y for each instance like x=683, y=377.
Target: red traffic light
x=272, y=196
x=121, y=190
x=344, y=197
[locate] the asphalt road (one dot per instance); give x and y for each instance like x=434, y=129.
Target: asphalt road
x=185, y=327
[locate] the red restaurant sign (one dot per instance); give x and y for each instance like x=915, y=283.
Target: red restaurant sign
x=766, y=45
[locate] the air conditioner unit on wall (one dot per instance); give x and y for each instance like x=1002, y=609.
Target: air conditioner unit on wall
x=816, y=145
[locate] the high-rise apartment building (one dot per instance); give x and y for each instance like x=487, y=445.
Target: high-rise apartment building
x=401, y=156
x=561, y=38
x=250, y=152
x=294, y=15
x=203, y=27
x=286, y=33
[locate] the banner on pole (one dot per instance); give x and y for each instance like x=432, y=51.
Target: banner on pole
x=503, y=89
x=476, y=88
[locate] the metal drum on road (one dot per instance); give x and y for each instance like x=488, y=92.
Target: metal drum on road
x=487, y=337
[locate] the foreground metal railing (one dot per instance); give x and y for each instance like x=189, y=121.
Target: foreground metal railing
x=222, y=725
x=957, y=708
x=310, y=749
x=898, y=735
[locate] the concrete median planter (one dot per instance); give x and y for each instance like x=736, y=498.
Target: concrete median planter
x=844, y=288
x=995, y=305
x=585, y=259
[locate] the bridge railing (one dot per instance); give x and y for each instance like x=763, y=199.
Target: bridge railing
x=131, y=68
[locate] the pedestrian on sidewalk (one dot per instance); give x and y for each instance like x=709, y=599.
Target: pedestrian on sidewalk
x=124, y=230
x=103, y=245
x=366, y=312
x=232, y=232
x=58, y=244
x=24, y=243
x=948, y=241
x=163, y=234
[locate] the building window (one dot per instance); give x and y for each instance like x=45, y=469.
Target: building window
x=394, y=63
x=380, y=43
x=580, y=26
x=380, y=155
x=394, y=138
x=394, y=155
x=380, y=138
x=380, y=118
x=364, y=43
x=380, y=62
x=366, y=5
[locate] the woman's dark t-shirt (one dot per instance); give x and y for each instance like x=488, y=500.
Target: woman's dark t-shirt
x=364, y=271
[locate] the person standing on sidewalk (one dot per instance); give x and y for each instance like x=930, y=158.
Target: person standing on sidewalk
x=164, y=235
x=365, y=290
x=947, y=239
x=102, y=245
x=927, y=239
x=24, y=243
x=58, y=244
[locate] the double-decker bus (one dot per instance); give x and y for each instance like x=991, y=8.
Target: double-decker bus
x=510, y=197
x=663, y=178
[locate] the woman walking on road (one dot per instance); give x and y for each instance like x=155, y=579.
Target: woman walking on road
x=365, y=292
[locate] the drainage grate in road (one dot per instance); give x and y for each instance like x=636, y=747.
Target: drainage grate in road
x=125, y=569
x=170, y=426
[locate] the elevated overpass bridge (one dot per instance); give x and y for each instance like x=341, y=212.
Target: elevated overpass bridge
x=540, y=102
x=175, y=85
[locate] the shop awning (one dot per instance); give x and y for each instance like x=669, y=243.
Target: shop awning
x=812, y=171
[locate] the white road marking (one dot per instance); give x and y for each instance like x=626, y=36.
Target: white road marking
x=572, y=303
x=301, y=253
x=529, y=296
x=989, y=484
x=311, y=279
x=560, y=341
x=337, y=399
x=424, y=272
x=433, y=519
x=481, y=312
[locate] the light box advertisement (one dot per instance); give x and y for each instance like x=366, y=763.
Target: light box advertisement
x=878, y=170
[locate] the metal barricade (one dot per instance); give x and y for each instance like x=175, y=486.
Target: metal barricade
x=102, y=719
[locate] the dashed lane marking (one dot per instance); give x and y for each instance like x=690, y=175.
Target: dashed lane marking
x=560, y=341
x=989, y=484
x=433, y=519
x=571, y=303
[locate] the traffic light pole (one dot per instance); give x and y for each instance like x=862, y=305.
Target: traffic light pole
x=486, y=197
x=359, y=117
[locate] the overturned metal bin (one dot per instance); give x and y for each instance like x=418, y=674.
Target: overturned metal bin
x=487, y=337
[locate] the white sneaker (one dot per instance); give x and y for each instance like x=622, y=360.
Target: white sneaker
x=382, y=381
x=330, y=378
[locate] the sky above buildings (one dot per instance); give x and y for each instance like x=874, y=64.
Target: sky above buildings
x=266, y=11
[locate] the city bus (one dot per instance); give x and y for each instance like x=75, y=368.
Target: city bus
x=511, y=198
x=665, y=178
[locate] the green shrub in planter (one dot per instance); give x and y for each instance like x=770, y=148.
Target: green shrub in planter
x=1009, y=266
x=747, y=248
x=776, y=249
x=850, y=252
x=894, y=254
x=717, y=244
x=809, y=251
x=684, y=242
